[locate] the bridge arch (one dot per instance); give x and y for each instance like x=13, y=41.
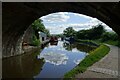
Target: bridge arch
x=18, y=16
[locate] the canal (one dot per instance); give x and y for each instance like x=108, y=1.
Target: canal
x=53, y=61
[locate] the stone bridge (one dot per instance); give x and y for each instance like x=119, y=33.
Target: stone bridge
x=18, y=16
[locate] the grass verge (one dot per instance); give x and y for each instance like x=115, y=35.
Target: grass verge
x=111, y=42
x=115, y=43
x=89, y=60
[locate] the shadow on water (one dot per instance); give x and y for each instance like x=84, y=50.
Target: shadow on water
x=80, y=47
x=24, y=66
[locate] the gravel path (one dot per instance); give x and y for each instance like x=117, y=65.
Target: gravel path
x=107, y=67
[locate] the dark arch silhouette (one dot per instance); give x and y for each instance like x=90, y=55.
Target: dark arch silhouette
x=18, y=16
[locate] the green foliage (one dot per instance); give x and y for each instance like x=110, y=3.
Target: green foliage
x=82, y=34
x=93, y=33
x=38, y=25
x=111, y=42
x=59, y=35
x=99, y=35
x=89, y=60
x=35, y=41
x=69, y=32
x=109, y=36
x=47, y=32
x=118, y=44
x=97, y=31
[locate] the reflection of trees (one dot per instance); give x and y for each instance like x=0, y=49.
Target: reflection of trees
x=84, y=48
x=80, y=47
x=67, y=46
x=44, y=45
x=24, y=66
x=47, y=45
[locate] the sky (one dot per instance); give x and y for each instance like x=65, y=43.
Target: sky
x=56, y=23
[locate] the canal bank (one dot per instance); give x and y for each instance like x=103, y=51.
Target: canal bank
x=107, y=67
x=29, y=49
x=88, y=61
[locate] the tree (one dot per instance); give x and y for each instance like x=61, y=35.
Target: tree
x=47, y=32
x=59, y=35
x=97, y=31
x=82, y=34
x=69, y=32
x=93, y=33
x=109, y=36
x=38, y=25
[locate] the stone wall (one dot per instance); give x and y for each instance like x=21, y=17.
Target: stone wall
x=28, y=35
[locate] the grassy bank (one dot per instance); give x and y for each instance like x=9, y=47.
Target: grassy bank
x=89, y=60
x=98, y=41
x=111, y=42
x=115, y=43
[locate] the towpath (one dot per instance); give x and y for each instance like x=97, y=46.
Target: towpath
x=107, y=67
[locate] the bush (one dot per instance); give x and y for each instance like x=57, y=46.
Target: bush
x=93, y=33
x=35, y=41
x=109, y=36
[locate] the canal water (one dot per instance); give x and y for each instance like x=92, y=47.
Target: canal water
x=53, y=61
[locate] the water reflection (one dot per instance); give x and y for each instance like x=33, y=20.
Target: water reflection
x=60, y=57
x=53, y=58
x=24, y=66
x=53, y=61
x=76, y=46
x=77, y=61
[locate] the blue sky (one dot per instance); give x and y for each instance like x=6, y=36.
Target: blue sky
x=57, y=22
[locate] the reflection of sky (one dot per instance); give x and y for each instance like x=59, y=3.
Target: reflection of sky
x=56, y=48
x=62, y=60
x=77, y=61
x=58, y=55
x=54, y=58
x=75, y=50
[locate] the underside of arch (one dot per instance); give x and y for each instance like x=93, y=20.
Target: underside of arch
x=18, y=16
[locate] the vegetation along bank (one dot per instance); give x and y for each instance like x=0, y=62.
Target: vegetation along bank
x=88, y=61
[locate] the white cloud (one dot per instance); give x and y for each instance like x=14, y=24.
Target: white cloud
x=56, y=30
x=93, y=22
x=56, y=17
x=63, y=17
x=81, y=15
